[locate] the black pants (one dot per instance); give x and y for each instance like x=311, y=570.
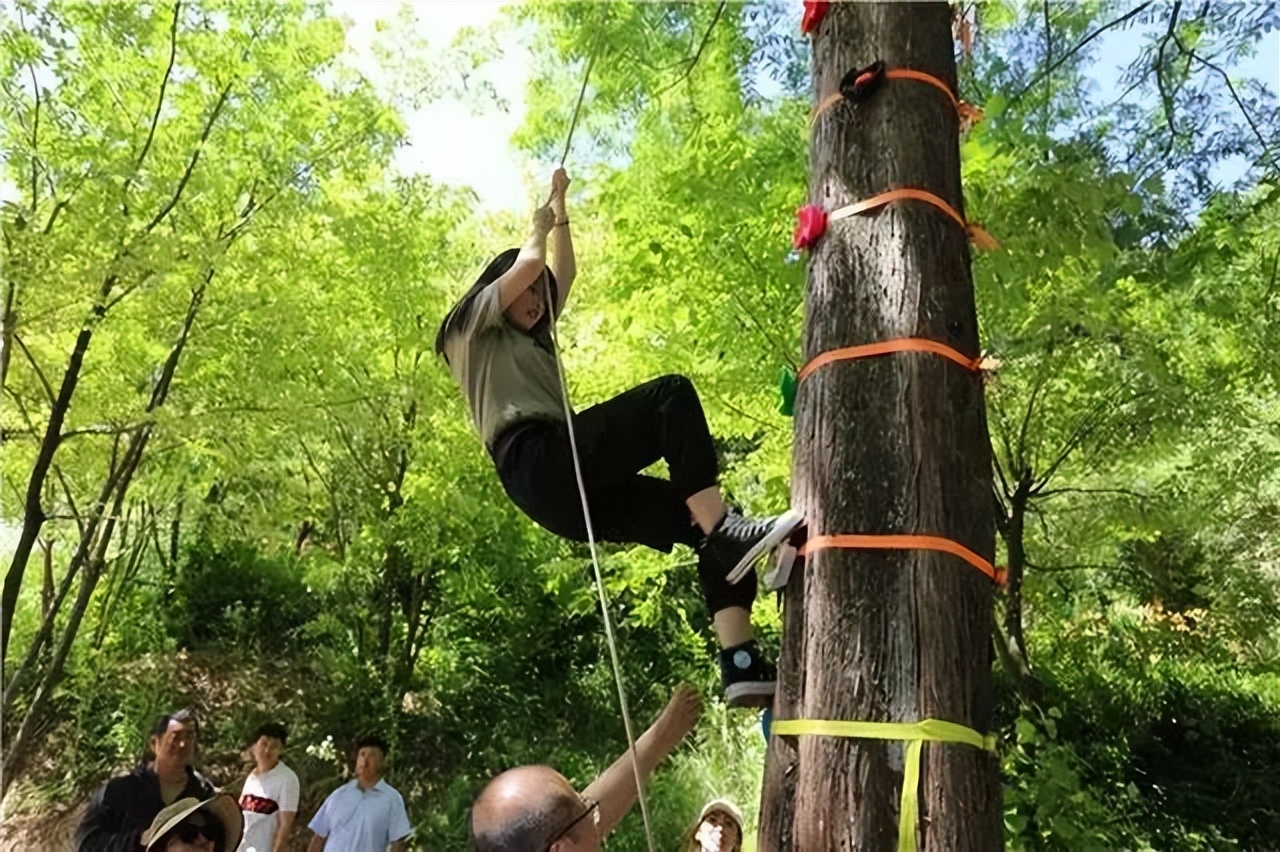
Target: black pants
x=660, y=419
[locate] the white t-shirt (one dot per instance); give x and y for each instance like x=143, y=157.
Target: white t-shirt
x=262, y=798
x=355, y=820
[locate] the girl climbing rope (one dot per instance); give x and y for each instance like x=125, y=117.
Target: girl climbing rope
x=498, y=341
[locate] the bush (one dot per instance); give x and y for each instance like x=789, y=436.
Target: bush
x=1147, y=744
x=233, y=596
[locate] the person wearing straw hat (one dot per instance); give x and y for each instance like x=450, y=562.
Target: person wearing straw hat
x=499, y=343
x=195, y=825
x=536, y=809
x=719, y=828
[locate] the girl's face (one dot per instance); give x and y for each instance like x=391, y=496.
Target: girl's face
x=719, y=833
x=528, y=307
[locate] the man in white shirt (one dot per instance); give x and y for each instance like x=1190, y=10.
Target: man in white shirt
x=364, y=815
x=269, y=798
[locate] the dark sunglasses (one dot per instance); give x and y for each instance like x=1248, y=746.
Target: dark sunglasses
x=591, y=806
x=191, y=828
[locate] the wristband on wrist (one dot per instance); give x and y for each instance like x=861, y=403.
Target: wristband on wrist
x=565, y=222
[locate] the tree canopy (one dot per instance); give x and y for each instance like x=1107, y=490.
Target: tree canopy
x=235, y=475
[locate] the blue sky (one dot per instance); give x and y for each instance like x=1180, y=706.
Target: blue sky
x=476, y=152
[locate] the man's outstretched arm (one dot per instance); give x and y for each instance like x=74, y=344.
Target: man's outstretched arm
x=615, y=789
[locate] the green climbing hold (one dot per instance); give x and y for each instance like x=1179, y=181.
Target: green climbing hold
x=787, y=387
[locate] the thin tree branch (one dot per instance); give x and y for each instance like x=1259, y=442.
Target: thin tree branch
x=35, y=127
x=53, y=215
x=1033, y=508
x=272, y=409
x=1073, y=51
x=71, y=501
x=1121, y=491
x=374, y=476
x=1004, y=483
x=693, y=61
x=1056, y=569
x=729, y=405
x=105, y=429
x=124, y=293
x=1092, y=420
x=155, y=116
x=1129, y=90
x=1002, y=429
x=1021, y=460
x=57, y=469
x=191, y=164
x=1230, y=88
x=764, y=331
x=1048, y=49
x=48, y=389
x=1166, y=98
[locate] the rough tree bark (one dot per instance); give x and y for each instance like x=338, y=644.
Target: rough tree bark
x=894, y=444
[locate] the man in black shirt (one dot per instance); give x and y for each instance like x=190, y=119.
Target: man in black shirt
x=121, y=809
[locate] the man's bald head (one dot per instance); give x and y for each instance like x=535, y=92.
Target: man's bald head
x=522, y=810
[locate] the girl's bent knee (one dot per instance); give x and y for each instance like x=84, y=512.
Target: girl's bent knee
x=676, y=385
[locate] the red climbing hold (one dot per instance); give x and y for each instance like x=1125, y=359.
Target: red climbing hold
x=811, y=224
x=814, y=12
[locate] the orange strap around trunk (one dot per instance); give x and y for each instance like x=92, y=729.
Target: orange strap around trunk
x=980, y=237
x=902, y=542
x=902, y=344
x=892, y=74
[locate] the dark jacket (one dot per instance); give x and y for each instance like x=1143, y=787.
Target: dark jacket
x=124, y=807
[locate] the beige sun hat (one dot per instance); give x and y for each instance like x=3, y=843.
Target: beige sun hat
x=223, y=807
x=723, y=806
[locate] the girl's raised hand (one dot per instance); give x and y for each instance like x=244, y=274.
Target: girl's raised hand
x=544, y=219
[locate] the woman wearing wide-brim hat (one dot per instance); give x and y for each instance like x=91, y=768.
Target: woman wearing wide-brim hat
x=193, y=825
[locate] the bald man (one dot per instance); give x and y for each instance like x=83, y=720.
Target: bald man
x=536, y=809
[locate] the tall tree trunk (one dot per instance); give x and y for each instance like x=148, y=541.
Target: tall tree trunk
x=1011, y=643
x=1016, y=547
x=175, y=536
x=896, y=444
x=46, y=586
x=8, y=325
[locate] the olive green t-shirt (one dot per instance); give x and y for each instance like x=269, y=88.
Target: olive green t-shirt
x=507, y=375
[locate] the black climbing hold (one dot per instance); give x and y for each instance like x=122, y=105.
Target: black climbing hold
x=860, y=83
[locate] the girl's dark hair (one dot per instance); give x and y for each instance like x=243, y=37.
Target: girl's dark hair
x=459, y=313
